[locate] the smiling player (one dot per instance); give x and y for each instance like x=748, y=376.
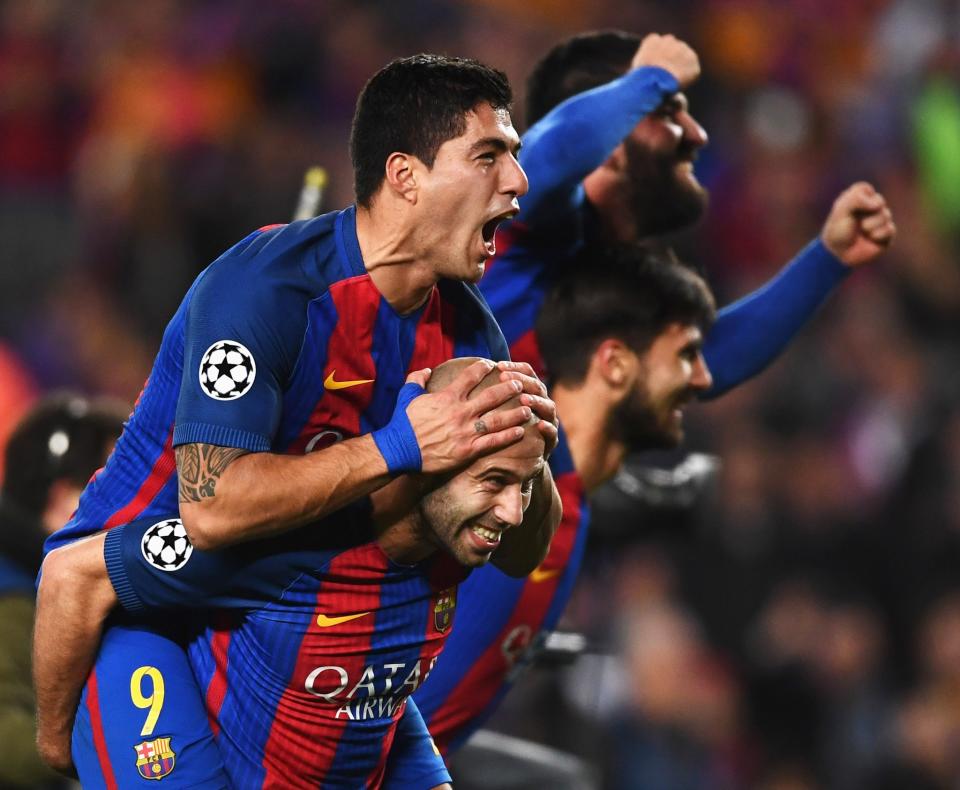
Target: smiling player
x=610, y=155
x=278, y=394
x=320, y=635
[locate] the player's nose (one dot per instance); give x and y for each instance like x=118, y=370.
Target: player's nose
x=509, y=506
x=700, y=378
x=514, y=180
x=693, y=133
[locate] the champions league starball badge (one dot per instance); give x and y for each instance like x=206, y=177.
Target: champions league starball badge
x=227, y=370
x=166, y=545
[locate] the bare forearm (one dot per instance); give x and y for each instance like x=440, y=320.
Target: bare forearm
x=526, y=546
x=73, y=601
x=256, y=495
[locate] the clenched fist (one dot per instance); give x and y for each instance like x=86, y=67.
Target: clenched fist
x=860, y=226
x=670, y=53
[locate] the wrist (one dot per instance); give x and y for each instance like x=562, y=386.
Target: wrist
x=826, y=258
x=397, y=441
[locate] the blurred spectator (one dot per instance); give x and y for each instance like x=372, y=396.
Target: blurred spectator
x=49, y=459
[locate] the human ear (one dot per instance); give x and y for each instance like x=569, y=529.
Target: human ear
x=614, y=363
x=401, y=175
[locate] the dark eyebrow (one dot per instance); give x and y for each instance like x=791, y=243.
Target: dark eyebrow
x=495, y=142
x=504, y=472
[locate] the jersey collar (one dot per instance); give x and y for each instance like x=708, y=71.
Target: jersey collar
x=348, y=246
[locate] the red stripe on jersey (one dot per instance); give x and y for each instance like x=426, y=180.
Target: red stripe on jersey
x=444, y=575
x=265, y=228
x=306, y=730
x=164, y=467
x=375, y=778
x=434, y=341
x=96, y=727
x=526, y=349
x=481, y=684
x=349, y=360
x=217, y=688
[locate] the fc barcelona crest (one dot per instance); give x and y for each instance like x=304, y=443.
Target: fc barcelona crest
x=155, y=759
x=443, y=609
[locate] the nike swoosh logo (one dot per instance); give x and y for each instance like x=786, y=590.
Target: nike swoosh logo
x=330, y=384
x=538, y=575
x=325, y=622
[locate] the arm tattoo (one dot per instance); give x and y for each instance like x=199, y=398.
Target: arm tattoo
x=199, y=467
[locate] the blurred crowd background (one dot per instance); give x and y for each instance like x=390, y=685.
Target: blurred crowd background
x=798, y=626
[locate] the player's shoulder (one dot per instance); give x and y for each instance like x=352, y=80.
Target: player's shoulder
x=299, y=255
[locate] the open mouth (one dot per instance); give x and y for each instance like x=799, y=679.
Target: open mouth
x=486, y=537
x=489, y=230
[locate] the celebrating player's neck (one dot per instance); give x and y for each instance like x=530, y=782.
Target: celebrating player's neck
x=392, y=254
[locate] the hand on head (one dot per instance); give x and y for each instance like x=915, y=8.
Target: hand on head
x=670, y=53
x=454, y=424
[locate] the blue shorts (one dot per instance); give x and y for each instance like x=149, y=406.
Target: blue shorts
x=141, y=720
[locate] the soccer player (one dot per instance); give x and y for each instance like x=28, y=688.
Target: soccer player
x=278, y=395
x=610, y=157
x=329, y=630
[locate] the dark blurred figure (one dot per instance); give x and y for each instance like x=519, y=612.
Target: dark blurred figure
x=49, y=458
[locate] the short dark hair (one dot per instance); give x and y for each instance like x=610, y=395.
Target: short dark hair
x=576, y=65
x=631, y=292
x=414, y=105
x=64, y=436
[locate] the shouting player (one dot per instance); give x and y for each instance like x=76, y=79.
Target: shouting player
x=278, y=395
x=610, y=157
x=328, y=631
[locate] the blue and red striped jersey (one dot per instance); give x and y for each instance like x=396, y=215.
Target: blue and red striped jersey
x=284, y=344
x=503, y=621
x=511, y=618
x=555, y=222
x=317, y=640
x=257, y=355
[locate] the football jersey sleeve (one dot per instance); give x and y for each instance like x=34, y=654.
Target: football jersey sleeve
x=153, y=566
x=244, y=326
x=578, y=135
x=750, y=333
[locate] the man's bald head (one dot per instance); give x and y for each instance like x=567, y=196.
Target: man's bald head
x=444, y=374
x=467, y=512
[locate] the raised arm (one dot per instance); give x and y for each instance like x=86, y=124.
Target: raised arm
x=753, y=331
x=579, y=135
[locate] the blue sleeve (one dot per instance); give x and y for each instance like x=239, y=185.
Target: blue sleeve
x=578, y=135
x=244, y=326
x=145, y=579
x=414, y=762
x=751, y=332
x=153, y=566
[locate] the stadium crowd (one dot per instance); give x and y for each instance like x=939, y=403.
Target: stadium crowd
x=799, y=627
